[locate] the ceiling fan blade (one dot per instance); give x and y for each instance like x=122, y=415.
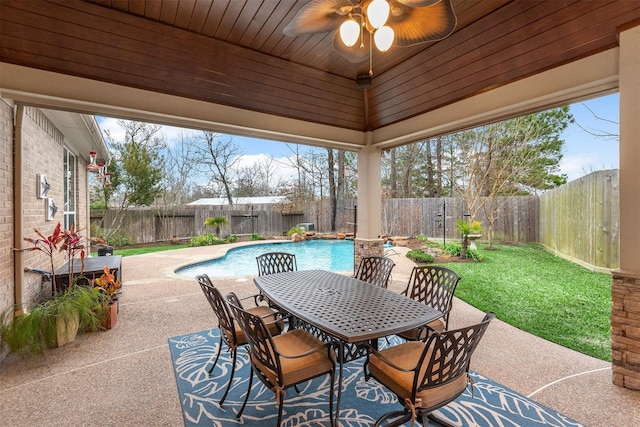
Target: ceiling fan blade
x=423, y=24
x=354, y=54
x=418, y=3
x=317, y=16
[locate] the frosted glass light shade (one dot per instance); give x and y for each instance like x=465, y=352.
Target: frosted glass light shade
x=383, y=38
x=349, y=32
x=377, y=13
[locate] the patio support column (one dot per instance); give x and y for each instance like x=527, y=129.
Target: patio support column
x=625, y=314
x=369, y=220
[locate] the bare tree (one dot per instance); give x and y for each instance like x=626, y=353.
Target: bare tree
x=178, y=175
x=599, y=133
x=218, y=155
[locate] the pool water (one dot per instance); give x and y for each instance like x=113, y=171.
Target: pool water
x=333, y=255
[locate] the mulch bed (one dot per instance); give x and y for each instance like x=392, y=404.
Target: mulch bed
x=440, y=259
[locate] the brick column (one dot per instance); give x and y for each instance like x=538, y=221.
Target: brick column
x=366, y=247
x=625, y=331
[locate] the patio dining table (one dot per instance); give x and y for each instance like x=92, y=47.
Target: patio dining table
x=348, y=310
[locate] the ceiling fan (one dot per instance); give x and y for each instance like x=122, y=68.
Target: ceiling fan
x=387, y=22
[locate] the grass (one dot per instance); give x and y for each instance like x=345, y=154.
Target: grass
x=543, y=294
x=144, y=250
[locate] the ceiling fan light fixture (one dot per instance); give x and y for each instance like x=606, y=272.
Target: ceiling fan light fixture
x=349, y=32
x=383, y=38
x=378, y=13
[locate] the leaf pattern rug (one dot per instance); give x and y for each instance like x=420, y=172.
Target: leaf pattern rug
x=361, y=404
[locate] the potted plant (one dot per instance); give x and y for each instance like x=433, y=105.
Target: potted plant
x=55, y=322
x=110, y=288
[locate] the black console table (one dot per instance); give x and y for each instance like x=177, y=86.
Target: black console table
x=93, y=268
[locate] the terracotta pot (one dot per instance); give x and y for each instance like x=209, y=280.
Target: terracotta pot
x=112, y=316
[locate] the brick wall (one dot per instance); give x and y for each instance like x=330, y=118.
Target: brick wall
x=625, y=331
x=42, y=154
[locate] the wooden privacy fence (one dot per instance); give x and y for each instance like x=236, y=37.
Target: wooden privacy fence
x=151, y=225
x=517, y=219
x=579, y=220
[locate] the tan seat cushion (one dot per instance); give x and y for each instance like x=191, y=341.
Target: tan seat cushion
x=406, y=356
x=412, y=334
x=261, y=311
x=295, y=370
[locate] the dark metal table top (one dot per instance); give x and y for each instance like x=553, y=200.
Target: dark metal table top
x=92, y=264
x=346, y=308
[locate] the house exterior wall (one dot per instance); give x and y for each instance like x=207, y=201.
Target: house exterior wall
x=42, y=153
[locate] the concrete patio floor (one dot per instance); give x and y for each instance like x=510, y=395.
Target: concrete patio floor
x=124, y=377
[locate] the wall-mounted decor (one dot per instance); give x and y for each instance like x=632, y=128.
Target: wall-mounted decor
x=51, y=209
x=43, y=186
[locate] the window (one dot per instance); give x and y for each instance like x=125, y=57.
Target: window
x=69, y=189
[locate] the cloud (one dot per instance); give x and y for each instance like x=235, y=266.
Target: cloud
x=576, y=166
x=171, y=134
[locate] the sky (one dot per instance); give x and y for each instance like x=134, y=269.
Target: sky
x=583, y=152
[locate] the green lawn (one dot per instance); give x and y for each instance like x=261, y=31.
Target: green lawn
x=144, y=250
x=541, y=293
x=530, y=289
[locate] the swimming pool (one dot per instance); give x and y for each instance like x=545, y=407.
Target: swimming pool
x=333, y=255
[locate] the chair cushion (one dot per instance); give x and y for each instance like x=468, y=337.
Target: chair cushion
x=261, y=311
x=401, y=383
x=298, y=341
x=412, y=334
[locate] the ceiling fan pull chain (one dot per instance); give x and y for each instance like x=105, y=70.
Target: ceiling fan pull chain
x=370, y=55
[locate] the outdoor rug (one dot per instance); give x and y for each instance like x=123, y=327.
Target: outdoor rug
x=361, y=404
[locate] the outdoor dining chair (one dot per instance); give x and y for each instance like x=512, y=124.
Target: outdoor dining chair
x=276, y=262
x=284, y=360
x=375, y=270
x=230, y=332
x=425, y=375
x=434, y=286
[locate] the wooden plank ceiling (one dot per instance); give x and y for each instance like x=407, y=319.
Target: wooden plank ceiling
x=234, y=52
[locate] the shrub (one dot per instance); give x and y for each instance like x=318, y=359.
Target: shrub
x=474, y=255
x=232, y=239
x=118, y=239
x=453, y=249
x=423, y=239
x=419, y=256
x=256, y=236
x=295, y=230
x=206, y=240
